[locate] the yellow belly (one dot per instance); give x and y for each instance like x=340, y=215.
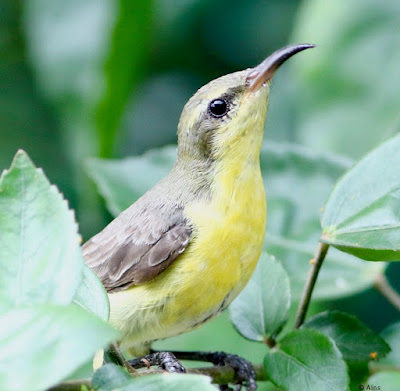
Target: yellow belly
x=228, y=238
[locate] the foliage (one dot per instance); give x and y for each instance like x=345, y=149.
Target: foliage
x=109, y=78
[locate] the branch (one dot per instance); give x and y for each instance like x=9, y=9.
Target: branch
x=310, y=283
x=72, y=385
x=381, y=284
x=219, y=375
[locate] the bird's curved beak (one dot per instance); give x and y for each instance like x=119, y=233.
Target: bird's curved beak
x=264, y=71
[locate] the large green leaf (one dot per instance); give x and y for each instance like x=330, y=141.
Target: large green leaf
x=41, y=345
x=362, y=214
x=111, y=377
x=293, y=229
x=391, y=335
x=306, y=360
x=355, y=340
x=40, y=256
x=341, y=104
x=268, y=291
x=91, y=294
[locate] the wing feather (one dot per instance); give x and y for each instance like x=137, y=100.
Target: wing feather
x=138, y=245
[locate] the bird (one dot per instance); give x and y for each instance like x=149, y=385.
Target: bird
x=182, y=252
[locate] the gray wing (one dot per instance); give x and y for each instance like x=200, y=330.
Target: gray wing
x=138, y=245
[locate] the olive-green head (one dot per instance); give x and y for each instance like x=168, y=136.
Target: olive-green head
x=229, y=113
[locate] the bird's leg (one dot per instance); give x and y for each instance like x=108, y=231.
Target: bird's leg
x=116, y=354
x=164, y=360
x=243, y=369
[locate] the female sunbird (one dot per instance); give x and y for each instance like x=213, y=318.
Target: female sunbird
x=180, y=254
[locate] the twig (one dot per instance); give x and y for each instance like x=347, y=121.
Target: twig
x=72, y=385
x=310, y=283
x=381, y=284
x=219, y=375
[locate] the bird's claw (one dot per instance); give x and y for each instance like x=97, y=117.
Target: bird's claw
x=165, y=360
x=170, y=363
x=244, y=370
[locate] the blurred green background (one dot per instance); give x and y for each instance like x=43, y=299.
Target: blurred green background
x=108, y=78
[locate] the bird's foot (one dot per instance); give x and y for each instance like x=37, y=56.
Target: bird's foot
x=165, y=360
x=244, y=370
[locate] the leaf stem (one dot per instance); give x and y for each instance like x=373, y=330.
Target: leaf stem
x=219, y=375
x=376, y=368
x=310, y=283
x=382, y=285
x=270, y=342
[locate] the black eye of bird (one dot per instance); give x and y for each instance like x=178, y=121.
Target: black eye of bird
x=218, y=108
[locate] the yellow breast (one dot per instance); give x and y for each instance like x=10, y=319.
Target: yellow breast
x=228, y=237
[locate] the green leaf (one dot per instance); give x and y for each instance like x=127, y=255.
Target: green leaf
x=340, y=105
x=355, y=340
x=387, y=380
x=91, y=295
x=41, y=345
x=111, y=377
x=306, y=360
x=40, y=256
x=362, y=214
x=391, y=335
x=122, y=182
x=262, y=308
x=297, y=181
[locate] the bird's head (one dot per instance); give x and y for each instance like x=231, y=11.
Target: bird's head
x=230, y=111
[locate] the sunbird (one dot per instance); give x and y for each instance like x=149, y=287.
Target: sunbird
x=181, y=253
